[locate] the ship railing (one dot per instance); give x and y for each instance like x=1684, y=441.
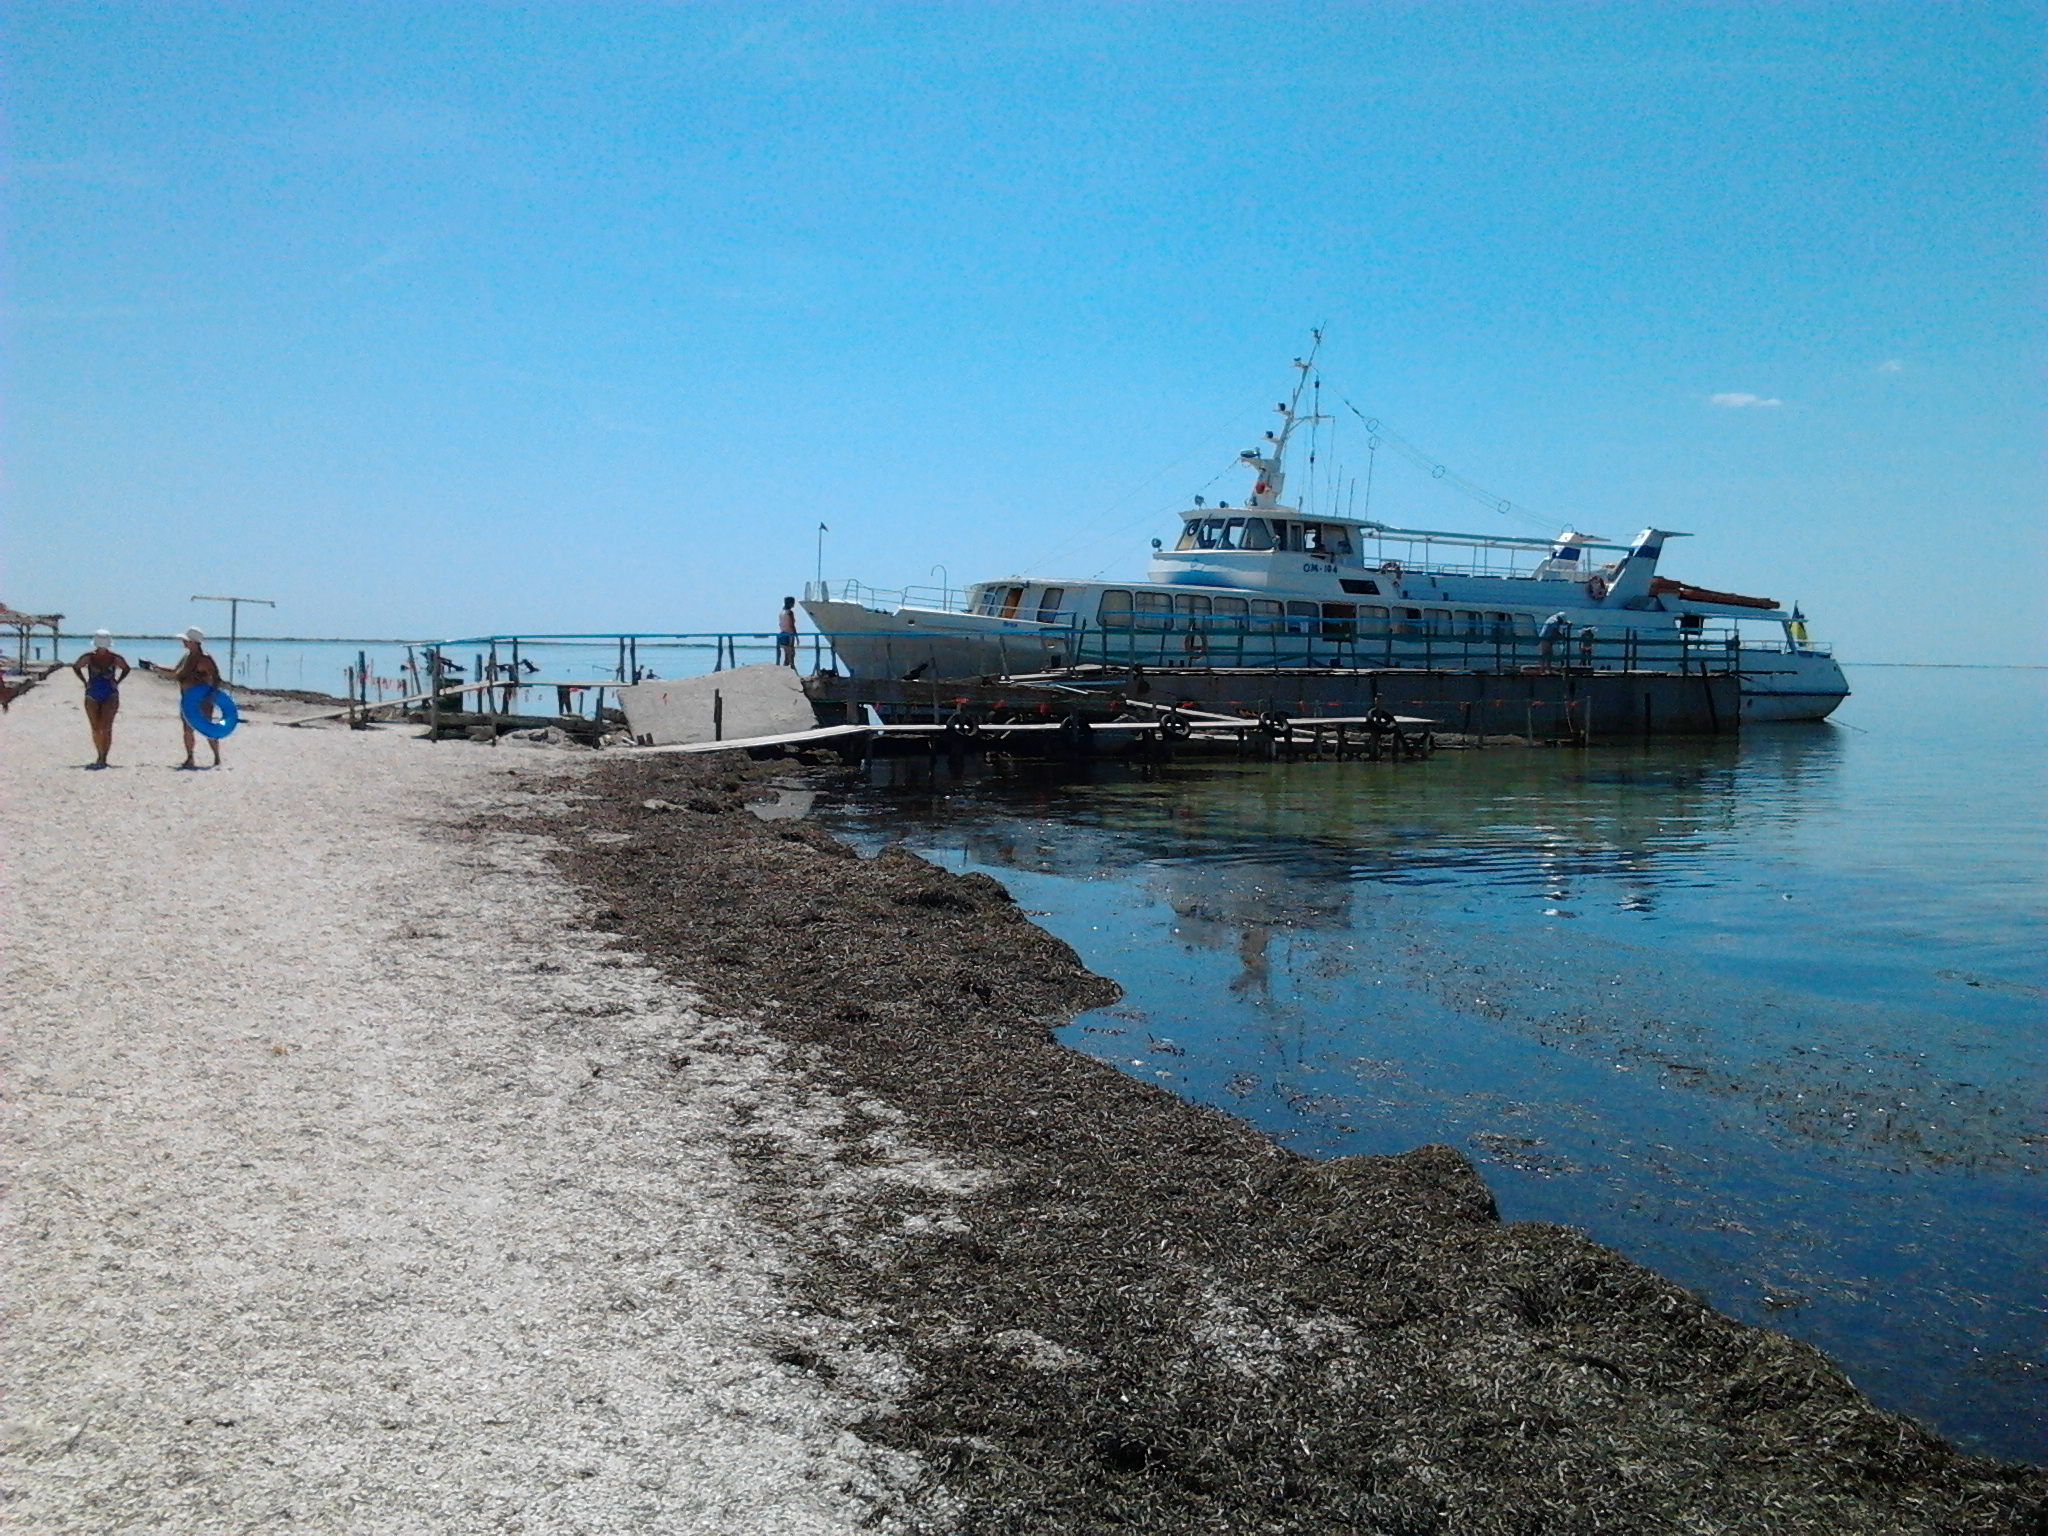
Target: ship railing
x=1509, y=567
x=941, y=599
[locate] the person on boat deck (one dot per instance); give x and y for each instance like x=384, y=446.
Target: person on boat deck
x=101, y=670
x=785, y=634
x=195, y=669
x=1557, y=633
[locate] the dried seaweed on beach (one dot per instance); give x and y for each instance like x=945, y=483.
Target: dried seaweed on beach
x=1136, y=1313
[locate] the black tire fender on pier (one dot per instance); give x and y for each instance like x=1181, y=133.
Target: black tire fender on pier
x=1175, y=727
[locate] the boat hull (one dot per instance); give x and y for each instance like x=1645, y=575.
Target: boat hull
x=872, y=643
x=933, y=643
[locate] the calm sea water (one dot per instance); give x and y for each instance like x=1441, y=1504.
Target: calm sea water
x=1763, y=1015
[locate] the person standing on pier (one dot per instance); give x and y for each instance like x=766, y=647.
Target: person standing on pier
x=195, y=669
x=101, y=670
x=785, y=634
x=1556, y=638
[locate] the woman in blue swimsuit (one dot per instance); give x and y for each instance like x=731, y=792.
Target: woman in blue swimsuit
x=101, y=670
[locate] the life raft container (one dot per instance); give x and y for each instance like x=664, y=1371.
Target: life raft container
x=1661, y=586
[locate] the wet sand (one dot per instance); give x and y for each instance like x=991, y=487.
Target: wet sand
x=1133, y=1313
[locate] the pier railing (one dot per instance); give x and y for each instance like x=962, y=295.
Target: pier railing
x=572, y=674
x=1315, y=644
x=1345, y=645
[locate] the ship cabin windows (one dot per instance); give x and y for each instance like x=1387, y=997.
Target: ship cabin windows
x=999, y=601
x=1440, y=621
x=1321, y=541
x=1471, y=625
x=1225, y=533
x=1340, y=621
x=1300, y=610
x=1119, y=609
x=1407, y=621
x=1049, y=601
x=1372, y=619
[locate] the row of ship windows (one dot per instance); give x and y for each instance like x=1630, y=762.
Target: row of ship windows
x=1120, y=609
x=1325, y=541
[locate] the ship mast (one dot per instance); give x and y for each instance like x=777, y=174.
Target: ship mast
x=1266, y=463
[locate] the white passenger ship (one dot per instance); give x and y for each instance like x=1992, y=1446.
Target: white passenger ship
x=1266, y=585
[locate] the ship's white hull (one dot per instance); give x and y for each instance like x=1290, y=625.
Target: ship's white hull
x=1777, y=685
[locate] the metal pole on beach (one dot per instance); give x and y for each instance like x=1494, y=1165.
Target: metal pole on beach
x=234, y=621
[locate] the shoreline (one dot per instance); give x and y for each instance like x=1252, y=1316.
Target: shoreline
x=1131, y=1311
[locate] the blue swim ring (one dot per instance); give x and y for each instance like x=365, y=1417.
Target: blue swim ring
x=195, y=704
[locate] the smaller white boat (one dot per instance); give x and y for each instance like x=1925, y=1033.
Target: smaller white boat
x=1267, y=585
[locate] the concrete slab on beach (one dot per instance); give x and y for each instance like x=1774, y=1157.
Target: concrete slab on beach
x=358, y=1186
x=754, y=701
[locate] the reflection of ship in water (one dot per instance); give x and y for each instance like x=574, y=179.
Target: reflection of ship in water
x=1622, y=820
x=1242, y=852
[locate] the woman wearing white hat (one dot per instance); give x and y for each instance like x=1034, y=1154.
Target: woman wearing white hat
x=195, y=669
x=101, y=670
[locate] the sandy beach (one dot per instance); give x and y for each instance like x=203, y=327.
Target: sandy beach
x=356, y=1185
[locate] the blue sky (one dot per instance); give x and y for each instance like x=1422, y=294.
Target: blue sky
x=439, y=319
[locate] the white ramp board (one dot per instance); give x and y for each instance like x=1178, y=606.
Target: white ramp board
x=744, y=702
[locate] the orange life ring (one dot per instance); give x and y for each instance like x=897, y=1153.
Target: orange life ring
x=1596, y=587
x=1391, y=568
